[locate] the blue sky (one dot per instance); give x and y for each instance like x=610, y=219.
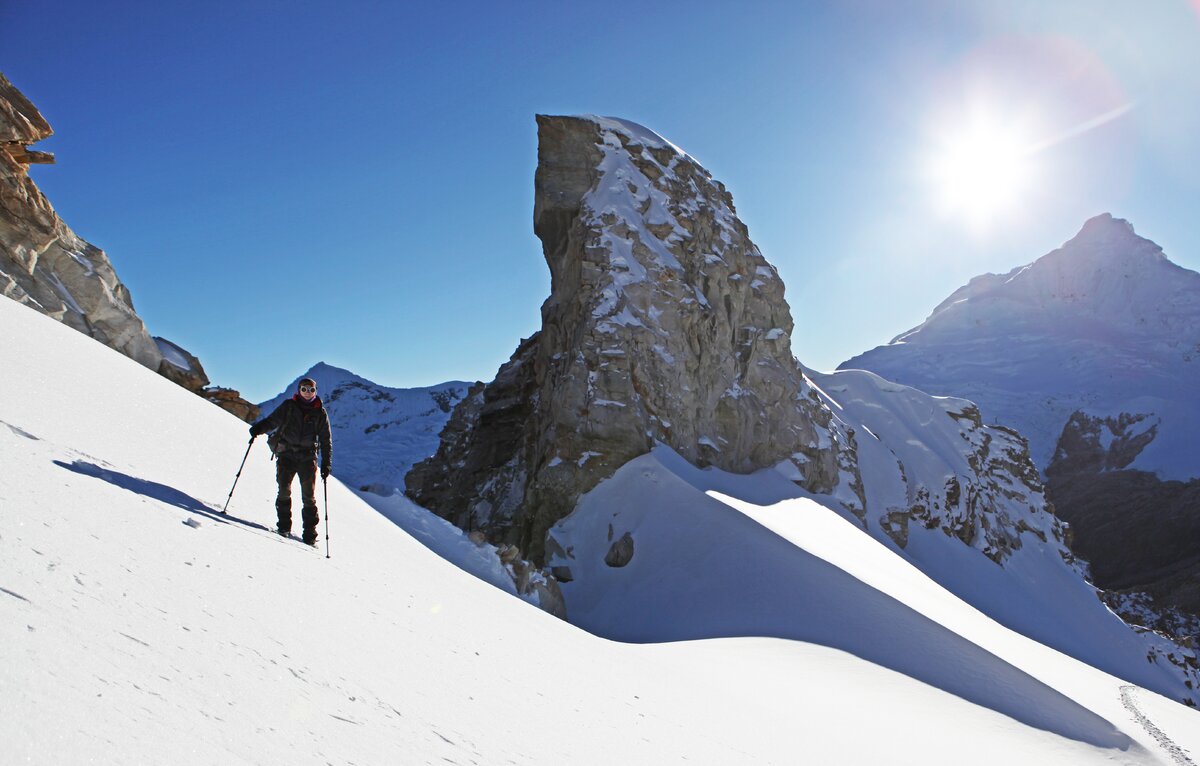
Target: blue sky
x=281, y=183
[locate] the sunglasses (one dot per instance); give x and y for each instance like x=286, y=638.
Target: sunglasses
x=308, y=389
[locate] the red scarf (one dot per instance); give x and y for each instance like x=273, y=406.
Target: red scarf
x=315, y=404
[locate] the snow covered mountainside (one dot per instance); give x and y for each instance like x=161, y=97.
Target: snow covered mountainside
x=1092, y=352
x=654, y=340
x=378, y=432
x=1105, y=325
x=138, y=625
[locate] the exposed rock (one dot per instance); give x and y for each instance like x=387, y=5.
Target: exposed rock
x=1090, y=444
x=46, y=266
x=20, y=121
x=1137, y=531
x=43, y=264
x=932, y=463
x=664, y=324
x=1152, y=612
x=621, y=552
x=180, y=366
x=232, y=401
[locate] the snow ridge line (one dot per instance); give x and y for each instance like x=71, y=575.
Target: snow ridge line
x=1177, y=753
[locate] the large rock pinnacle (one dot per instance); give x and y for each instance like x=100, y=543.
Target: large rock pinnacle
x=664, y=324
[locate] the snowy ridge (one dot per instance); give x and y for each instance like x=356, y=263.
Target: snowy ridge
x=378, y=432
x=931, y=462
x=137, y=625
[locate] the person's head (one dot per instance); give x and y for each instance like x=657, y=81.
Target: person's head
x=307, y=389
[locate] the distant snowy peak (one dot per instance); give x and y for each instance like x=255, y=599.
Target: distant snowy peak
x=1106, y=275
x=378, y=431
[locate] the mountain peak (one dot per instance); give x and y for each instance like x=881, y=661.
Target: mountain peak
x=1105, y=238
x=1105, y=223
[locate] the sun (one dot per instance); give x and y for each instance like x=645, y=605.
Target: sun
x=981, y=169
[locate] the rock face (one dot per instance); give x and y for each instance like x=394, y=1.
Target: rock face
x=932, y=463
x=1138, y=531
x=46, y=266
x=664, y=324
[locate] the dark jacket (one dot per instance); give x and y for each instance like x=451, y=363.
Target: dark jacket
x=300, y=429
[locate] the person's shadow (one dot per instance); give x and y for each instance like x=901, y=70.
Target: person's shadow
x=156, y=491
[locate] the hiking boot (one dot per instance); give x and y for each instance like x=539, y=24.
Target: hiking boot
x=282, y=532
x=310, y=538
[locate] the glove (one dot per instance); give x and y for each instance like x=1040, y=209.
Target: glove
x=253, y=433
x=324, y=472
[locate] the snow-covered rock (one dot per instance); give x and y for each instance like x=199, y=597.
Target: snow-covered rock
x=665, y=324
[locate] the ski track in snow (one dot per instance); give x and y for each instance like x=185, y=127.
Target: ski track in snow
x=1177, y=753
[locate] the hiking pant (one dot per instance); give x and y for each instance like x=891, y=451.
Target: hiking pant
x=287, y=467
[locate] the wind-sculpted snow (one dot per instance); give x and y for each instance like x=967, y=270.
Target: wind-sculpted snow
x=138, y=625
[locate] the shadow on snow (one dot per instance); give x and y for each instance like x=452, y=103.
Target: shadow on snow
x=155, y=491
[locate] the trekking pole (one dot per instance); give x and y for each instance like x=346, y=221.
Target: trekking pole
x=325, y=482
x=239, y=475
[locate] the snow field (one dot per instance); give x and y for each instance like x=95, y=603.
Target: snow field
x=139, y=626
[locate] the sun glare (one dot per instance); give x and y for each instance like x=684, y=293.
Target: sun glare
x=981, y=171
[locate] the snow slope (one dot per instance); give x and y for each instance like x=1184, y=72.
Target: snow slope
x=1106, y=324
x=378, y=432
x=137, y=625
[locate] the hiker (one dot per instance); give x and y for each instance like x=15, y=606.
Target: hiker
x=300, y=426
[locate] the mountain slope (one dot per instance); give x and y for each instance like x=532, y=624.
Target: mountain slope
x=137, y=625
x=1105, y=324
x=1092, y=352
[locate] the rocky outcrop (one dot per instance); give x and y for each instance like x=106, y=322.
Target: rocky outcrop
x=1091, y=444
x=987, y=507
x=46, y=266
x=232, y=402
x=664, y=324
x=1137, y=531
x=43, y=264
x=932, y=464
